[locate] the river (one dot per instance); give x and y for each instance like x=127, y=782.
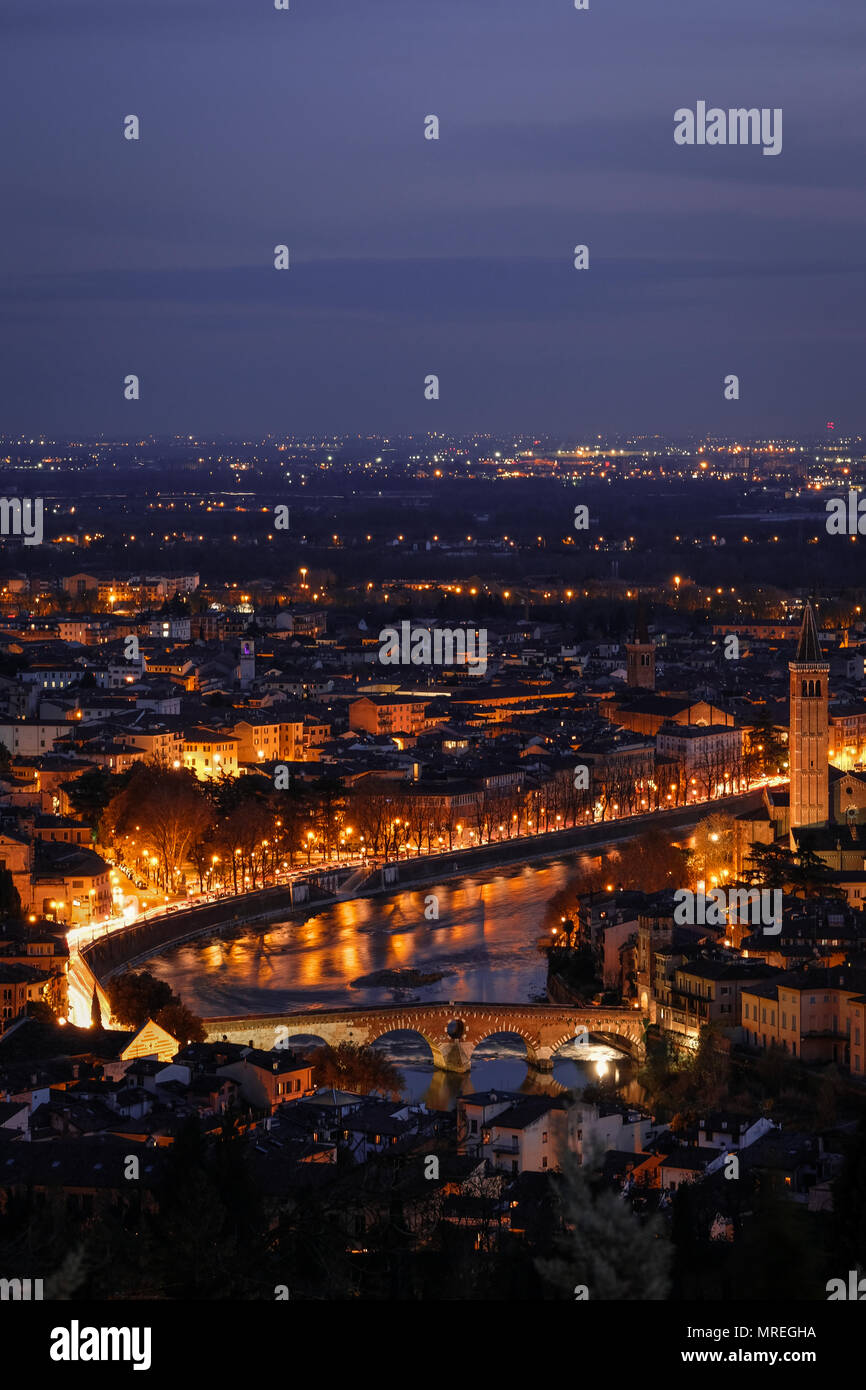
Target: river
x=483, y=943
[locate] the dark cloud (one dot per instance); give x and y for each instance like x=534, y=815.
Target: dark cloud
x=261, y=127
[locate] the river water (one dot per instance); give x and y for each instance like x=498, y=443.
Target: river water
x=483, y=943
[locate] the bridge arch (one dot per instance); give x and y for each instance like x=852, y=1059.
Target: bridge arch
x=623, y=1042
x=304, y=1039
x=480, y=1037
x=557, y=1044
x=431, y=1043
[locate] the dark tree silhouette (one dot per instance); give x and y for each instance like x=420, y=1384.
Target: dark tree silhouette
x=10, y=898
x=136, y=998
x=181, y=1022
x=356, y=1069
x=802, y=873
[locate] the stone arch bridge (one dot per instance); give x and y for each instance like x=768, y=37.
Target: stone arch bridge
x=452, y=1031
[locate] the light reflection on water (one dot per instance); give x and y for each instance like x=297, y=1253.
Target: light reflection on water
x=483, y=943
x=484, y=939
x=500, y=1064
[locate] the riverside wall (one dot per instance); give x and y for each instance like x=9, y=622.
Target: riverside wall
x=131, y=945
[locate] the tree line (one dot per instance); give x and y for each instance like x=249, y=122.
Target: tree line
x=238, y=834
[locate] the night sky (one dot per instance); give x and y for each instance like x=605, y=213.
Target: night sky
x=412, y=256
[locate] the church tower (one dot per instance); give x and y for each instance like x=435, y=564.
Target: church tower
x=808, y=733
x=641, y=657
x=245, y=670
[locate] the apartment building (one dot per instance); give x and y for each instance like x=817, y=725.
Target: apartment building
x=388, y=714
x=817, y=1014
x=210, y=753
x=269, y=1079
x=516, y=1133
x=270, y=736
x=707, y=991
x=593, y=1128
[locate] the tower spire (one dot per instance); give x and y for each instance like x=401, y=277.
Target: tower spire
x=809, y=648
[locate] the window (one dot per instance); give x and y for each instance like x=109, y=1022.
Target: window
x=544, y=1163
x=544, y=1137
x=473, y=1126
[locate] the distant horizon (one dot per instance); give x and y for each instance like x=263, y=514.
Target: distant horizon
x=543, y=439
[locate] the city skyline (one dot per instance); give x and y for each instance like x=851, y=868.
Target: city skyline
x=433, y=669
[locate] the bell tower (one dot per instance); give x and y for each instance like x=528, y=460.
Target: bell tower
x=808, y=733
x=640, y=656
x=246, y=667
